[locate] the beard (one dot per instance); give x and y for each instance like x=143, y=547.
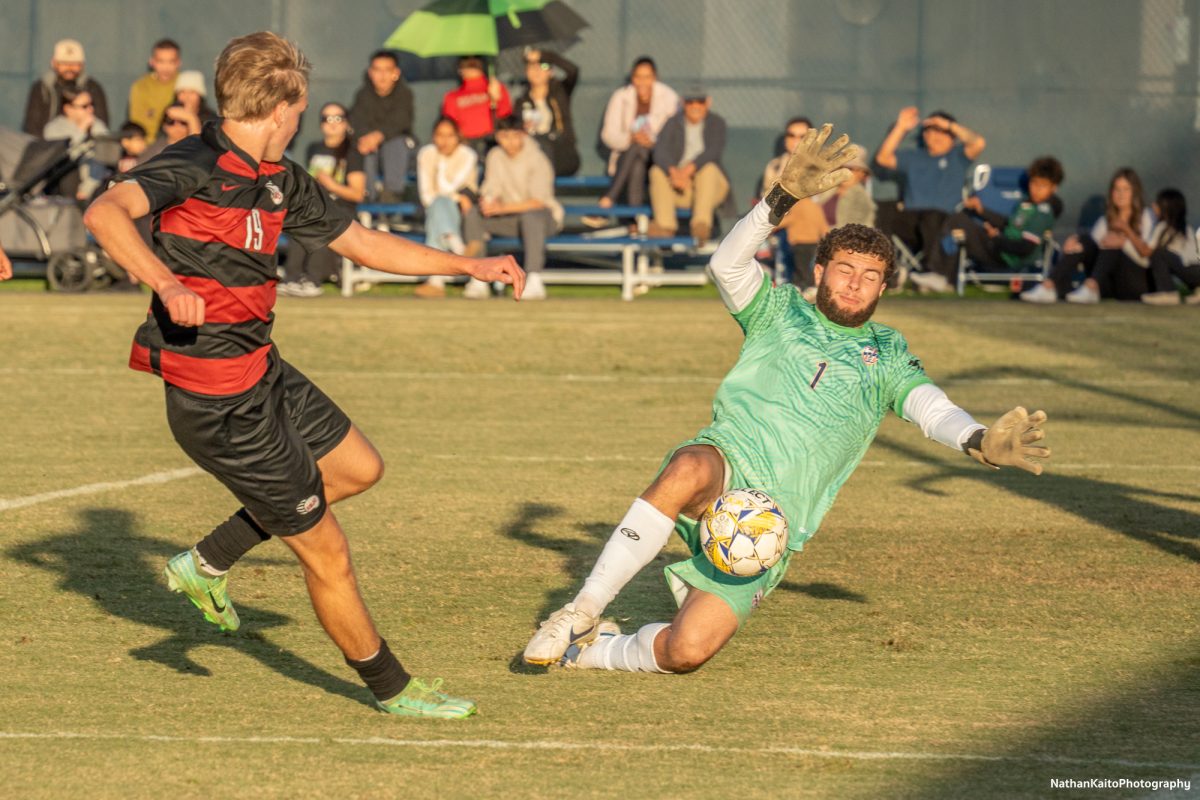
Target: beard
x=838, y=316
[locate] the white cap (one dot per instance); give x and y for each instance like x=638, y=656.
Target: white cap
x=191, y=79
x=68, y=51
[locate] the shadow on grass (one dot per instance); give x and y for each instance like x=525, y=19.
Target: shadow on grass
x=645, y=598
x=1126, y=510
x=107, y=561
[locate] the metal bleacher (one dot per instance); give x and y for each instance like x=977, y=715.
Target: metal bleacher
x=621, y=255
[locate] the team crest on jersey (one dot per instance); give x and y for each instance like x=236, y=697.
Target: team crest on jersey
x=309, y=505
x=870, y=354
x=276, y=194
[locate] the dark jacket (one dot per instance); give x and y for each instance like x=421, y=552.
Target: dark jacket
x=391, y=115
x=45, y=100
x=668, y=149
x=560, y=143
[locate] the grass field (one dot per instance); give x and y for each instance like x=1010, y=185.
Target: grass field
x=950, y=632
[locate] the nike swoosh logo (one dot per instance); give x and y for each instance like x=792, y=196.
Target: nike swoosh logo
x=575, y=637
x=216, y=605
x=225, y=187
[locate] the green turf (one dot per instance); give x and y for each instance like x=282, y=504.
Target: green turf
x=950, y=632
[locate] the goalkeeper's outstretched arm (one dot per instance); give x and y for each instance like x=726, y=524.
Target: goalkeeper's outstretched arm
x=1009, y=442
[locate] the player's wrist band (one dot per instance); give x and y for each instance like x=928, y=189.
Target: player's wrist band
x=973, y=446
x=780, y=201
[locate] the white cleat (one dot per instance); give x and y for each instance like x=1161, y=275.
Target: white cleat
x=570, y=659
x=565, y=627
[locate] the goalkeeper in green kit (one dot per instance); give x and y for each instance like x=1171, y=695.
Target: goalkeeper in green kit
x=793, y=418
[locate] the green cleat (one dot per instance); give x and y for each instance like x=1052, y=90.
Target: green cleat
x=421, y=700
x=207, y=594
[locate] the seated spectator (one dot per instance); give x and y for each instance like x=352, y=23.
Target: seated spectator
x=76, y=122
x=1012, y=243
x=545, y=108
x=150, y=94
x=133, y=144
x=1174, y=252
x=851, y=201
x=1114, y=256
x=45, y=99
x=382, y=119
x=338, y=166
x=632, y=120
x=190, y=95
x=687, y=171
x=174, y=129
x=933, y=176
x=516, y=199
x=475, y=103
x=804, y=225
x=447, y=181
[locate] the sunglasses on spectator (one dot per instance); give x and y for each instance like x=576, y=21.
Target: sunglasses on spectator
x=333, y=118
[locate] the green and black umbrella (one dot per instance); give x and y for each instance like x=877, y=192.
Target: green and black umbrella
x=484, y=27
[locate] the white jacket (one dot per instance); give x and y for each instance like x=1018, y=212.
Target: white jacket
x=617, y=131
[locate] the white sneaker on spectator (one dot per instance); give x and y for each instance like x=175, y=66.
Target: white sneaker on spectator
x=535, y=289
x=1161, y=299
x=477, y=290
x=930, y=282
x=1040, y=294
x=300, y=288
x=1084, y=294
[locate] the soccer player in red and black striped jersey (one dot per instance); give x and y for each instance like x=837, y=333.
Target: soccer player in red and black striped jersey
x=220, y=202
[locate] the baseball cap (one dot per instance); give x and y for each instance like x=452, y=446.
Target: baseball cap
x=191, y=79
x=68, y=51
x=695, y=91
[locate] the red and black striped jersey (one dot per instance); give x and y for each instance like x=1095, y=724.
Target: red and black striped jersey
x=218, y=216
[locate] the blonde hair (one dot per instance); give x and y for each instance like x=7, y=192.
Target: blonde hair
x=257, y=72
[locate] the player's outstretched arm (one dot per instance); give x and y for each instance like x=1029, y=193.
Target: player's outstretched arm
x=399, y=256
x=1010, y=442
x=813, y=167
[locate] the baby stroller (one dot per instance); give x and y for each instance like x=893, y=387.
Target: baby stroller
x=39, y=226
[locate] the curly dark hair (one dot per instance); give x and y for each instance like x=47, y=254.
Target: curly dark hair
x=857, y=238
x=1047, y=167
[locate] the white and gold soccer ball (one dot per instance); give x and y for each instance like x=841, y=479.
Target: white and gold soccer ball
x=743, y=532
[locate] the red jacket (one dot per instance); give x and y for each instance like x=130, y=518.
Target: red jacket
x=470, y=107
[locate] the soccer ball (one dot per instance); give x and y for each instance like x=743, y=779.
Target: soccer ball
x=743, y=533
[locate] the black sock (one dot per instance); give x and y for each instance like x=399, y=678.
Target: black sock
x=382, y=673
x=231, y=540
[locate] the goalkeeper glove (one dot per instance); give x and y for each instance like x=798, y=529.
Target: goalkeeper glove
x=812, y=168
x=1009, y=442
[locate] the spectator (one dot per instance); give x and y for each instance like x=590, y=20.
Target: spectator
x=1114, y=257
x=174, y=129
x=46, y=94
x=933, y=179
x=687, y=171
x=1175, y=252
x=804, y=224
x=851, y=201
x=478, y=101
x=382, y=119
x=133, y=144
x=5, y=266
x=545, y=108
x=516, y=199
x=447, y=173
x=190, y=95
x=1010, y=243
x=76, y=122
x=635, y=114
x=338, y=167
x=150, y=94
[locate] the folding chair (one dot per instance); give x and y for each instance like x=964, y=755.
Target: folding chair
x=1000, y=189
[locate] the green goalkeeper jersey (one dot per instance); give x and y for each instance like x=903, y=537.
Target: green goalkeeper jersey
x=800, y=407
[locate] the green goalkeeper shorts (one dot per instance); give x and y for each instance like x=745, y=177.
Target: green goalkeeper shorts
x=742, y=595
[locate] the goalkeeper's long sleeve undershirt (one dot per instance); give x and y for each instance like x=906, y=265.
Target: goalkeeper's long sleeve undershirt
x=733, y=267
x=928, y=407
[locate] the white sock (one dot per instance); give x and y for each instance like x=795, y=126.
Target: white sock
x=634, y=543
x=632, y=653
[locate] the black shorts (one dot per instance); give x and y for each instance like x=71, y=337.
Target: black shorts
x=263, y=444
